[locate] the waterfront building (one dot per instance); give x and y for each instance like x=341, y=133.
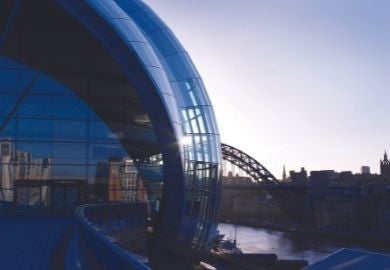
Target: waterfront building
x=320, y=180
x=86, y=86
x=298, y=178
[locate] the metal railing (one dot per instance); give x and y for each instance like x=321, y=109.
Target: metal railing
x=99, y=250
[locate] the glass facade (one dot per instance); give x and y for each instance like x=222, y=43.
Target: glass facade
x=102, y=92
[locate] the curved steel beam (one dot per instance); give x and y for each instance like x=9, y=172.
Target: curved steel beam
x=248, y=164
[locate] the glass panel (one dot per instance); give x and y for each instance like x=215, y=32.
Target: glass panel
x=70, y=130
x=165, y=42
x=98, y=131
x=45, y=85
x=34, y=129
x=34, y=149
x=146, y=53
x=8, y=80
x=190, y=93
x=180, y=67
x=145, y=20
x=36, y=106
x=69, y=172
x=130, y=6
x=7, y=103
x=108, y=9
x=8, y=128
x=69, y=150
x=127, y=29
x=69, y=107
x=103, y=152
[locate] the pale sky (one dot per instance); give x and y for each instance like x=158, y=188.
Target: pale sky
x=298, y=82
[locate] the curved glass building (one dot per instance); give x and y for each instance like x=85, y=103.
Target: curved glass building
x=102, y=92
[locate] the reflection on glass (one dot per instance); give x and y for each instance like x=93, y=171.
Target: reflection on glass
x=51, y=134
x=19, y=165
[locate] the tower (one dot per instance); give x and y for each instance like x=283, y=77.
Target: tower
x=385, y=166
x=284, y=177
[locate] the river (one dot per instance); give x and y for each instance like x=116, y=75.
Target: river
x=285, y=245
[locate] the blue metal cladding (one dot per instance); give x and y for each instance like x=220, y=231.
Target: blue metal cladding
x=174, y=96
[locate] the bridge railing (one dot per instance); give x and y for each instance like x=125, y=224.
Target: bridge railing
x=97, y=249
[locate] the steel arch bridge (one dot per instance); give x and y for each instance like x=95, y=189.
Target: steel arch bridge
x=293, y=200
x=248, y=164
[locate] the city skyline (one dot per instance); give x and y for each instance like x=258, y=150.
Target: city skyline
x=276, y=53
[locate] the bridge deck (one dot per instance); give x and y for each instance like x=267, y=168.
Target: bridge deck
x=35, y=242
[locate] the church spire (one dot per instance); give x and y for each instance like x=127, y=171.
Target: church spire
x=385, y=166
x=284, y=173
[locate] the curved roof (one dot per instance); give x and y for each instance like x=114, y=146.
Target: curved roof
x=172, y=92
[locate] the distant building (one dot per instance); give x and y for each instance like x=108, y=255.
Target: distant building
x=365, y=170
x=346, y=178
x=320, y=180
x=385, y=166
x=232, y=179
x=298, y=178
x=19, y=165
x=119, y=181
x=114, y=180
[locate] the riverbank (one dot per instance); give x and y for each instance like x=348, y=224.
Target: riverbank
x=375, y=241
x=290, y=246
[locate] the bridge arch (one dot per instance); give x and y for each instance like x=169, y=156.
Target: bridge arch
x=248, y=164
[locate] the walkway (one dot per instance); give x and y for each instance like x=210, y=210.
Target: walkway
x=36, y=242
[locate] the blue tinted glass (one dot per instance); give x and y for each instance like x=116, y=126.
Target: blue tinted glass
x=69, y=107
x=8, y=80
x=171, y=104
x=66, y=172
x=45, y=85
x=127, y=29
x=159, y=77
x=130, y=5
x=35, y=106
x=26, y=80
x=35, y=149
x=146, y=53
x=70, y=130
x=8, y=63
x=108, y=9
x=190, y=93
x=180, y=67
x=207, y=113
x=69, y=150
x=197, y=120
x=144, y=18
x=98, y=131
x=7, y=103
x=70, y=161
x=105, y=151
x=34, y=129
x=134, y=133
x=167, y=44
x=9, y=127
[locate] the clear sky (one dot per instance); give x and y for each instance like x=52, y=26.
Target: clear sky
x=295, y=82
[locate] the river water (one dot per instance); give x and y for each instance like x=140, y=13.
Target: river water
x=286, y=245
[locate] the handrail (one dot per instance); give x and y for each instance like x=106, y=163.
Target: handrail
x=100, y=248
